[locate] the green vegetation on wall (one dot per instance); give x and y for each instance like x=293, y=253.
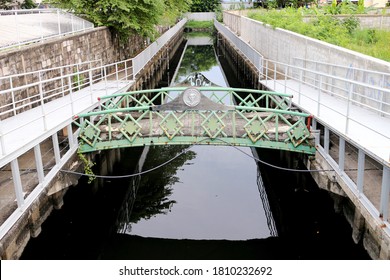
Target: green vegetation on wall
x=324, y=26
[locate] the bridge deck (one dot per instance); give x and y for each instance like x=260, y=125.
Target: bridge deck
x=21, y=132
x=366, y=128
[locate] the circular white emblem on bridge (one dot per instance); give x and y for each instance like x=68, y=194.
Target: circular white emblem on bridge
x=191, y=97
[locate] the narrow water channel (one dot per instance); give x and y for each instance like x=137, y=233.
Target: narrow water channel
x=209, y=203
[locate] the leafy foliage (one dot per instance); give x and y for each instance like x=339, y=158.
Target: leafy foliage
x=204, y=5
x=28, y=4
x=197, y=59
x=153, y=196
x=127, y=16
x=173, y=9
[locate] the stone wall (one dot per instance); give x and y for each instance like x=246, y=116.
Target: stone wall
x=97, y=44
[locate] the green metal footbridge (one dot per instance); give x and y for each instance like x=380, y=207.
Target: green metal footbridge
x=196, y=115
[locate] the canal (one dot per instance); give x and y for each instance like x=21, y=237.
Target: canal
x=207, y=203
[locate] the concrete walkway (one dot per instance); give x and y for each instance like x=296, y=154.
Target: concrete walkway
x=366, y=128
x=25, y=130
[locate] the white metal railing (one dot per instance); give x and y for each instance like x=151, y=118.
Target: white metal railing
x=374, y=78
x=349, y=90
x=143, y=58
x=46, y=85
x=249, y=52
x=19, y=27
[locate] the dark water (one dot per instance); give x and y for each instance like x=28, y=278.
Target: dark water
x=209, y=203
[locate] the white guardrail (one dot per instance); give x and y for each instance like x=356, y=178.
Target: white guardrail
x=143, y=58
x=19, y=27
x=349, y=90
x=250, y=53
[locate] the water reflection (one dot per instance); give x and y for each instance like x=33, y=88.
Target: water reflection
x=209, y=192
x=150, y=195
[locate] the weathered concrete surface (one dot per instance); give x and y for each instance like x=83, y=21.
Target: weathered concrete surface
x=364, y=226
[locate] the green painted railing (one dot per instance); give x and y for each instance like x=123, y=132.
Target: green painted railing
x=201, y=116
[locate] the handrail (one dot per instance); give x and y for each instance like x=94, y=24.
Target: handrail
x=142, y=59
x=333, y=77
x=343, y=66
x=250, y=53
x=68, y=26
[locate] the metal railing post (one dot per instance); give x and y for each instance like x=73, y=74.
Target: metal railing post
x=90, y=84
x=71, y=94
x=126, y=70
x=56, y=147
x=385, y=193
x=341, y=153
x=116, y=75
x=349, y=100
x=360, y=178
x=300, y=86
x=319, y=97
x=2, y=142
x=40, y=24
x=42, y=102
x=326, y=140
x=17, y=29
x=72, y=23
x=38, y=163
x=12, y=96
x=382, y=96
x=285, y=78
x=58, y=22
x=62, y=82
x=18, y=187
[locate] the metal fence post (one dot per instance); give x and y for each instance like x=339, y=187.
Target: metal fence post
x=56, y=147
x=12, y=96
x=90, y=84
x=40, y=24
x=326, y=140
x=17, y=29
x=341, y=153
x=360, y=179
x=18, y=187
x=42, y=102
x=319, y=97
x=348, y=107
x=385, y=192
x=58, y=22
x=38, y=163
x=71, y=94
x=2, y=142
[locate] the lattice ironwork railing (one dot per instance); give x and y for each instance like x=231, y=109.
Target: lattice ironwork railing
x=196, y=116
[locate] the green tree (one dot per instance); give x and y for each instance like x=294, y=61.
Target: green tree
x=28, y=4
x=155, y=189
x=174, y=9
x=204, y=5
x=121, y=16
